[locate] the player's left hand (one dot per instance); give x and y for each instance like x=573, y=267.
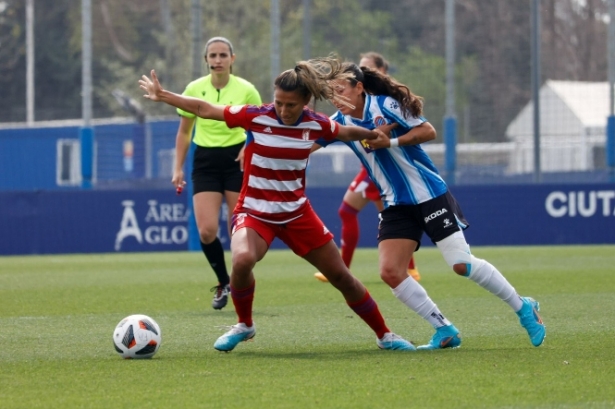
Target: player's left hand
x=151, y=86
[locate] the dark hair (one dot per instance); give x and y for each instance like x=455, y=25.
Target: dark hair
x=376, y=83
x=378, y=60
x=313, y=78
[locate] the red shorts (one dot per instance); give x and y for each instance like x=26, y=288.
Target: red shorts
x=301, y=235
x=363, y=184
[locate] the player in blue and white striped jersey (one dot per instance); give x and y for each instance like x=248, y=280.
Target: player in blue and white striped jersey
x=404, y=176
x=416, y=201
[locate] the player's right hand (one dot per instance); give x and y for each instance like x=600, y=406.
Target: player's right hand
x=178, y=180
x=151, y=86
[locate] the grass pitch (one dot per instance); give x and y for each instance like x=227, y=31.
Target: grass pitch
x=57, y=315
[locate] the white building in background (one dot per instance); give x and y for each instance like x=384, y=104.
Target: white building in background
x=572, y=128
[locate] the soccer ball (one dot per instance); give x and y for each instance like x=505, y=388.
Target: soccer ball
x=137, y=337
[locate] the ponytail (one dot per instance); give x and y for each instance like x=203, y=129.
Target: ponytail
x=376, y=83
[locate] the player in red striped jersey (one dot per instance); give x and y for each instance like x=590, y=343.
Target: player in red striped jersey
x=272, y=201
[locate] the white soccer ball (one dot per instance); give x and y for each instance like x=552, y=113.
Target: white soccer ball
x=137, y=337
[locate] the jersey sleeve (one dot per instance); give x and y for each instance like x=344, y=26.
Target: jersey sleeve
x=392, y=109
x=237, y=116
x=189, y=92
x=335, y=121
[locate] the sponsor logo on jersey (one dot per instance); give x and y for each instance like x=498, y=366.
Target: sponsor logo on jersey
x=394, y=104
x=435, y=214
x=447, y=223
x=267, y=130
x=366, y=147
x=235, y=109
x=306, y=135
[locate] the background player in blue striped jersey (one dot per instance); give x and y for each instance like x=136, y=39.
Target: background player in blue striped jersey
x=417, y=201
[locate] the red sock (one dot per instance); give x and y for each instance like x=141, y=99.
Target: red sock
x=411, y=263
x=350, y=231
x=368, y=310
x=242, y=299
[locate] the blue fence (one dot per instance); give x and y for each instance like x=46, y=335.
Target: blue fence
x=126, y=211
x=97, y=221
x=29, y=157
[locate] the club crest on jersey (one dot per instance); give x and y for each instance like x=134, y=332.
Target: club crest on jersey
x=235, y=109
x=306, y=135
x=379, y=121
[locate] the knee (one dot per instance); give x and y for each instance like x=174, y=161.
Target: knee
x=208, y=234
x=243, y=262
x=392, y=276
x=461, y=269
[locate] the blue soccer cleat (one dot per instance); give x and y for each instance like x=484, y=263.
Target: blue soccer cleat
x=394, y=342
x=445, y=337
x=531, y=321
x=237, y=333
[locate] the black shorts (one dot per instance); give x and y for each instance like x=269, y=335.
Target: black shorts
x=438, y=218
x=215, y=169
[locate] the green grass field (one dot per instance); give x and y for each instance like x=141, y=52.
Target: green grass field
x=57, y=315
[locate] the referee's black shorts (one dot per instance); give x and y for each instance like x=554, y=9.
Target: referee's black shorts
x=215, y=169
x=438, y=218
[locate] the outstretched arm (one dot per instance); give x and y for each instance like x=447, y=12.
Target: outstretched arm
x=356, y=133
x=196, y=106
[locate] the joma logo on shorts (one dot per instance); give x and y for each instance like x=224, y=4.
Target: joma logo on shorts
x=435, y=214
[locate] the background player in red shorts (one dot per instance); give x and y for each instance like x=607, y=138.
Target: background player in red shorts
x=360, y=192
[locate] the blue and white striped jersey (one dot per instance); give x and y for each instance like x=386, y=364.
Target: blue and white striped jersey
x=405, y=175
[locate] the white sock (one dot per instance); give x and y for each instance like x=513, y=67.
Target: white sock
x=415, y=297
x=488, y=277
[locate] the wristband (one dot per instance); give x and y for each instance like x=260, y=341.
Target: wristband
x=394, y=143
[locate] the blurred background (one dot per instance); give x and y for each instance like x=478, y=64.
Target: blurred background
x=518, y=91
x=492, y=70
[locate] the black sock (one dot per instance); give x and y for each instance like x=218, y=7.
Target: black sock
x=215, y=255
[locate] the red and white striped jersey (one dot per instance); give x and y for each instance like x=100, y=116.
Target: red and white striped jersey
x=275, y=159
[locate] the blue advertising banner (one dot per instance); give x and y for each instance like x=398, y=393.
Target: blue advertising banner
x=48, y=222
x=507, y=214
